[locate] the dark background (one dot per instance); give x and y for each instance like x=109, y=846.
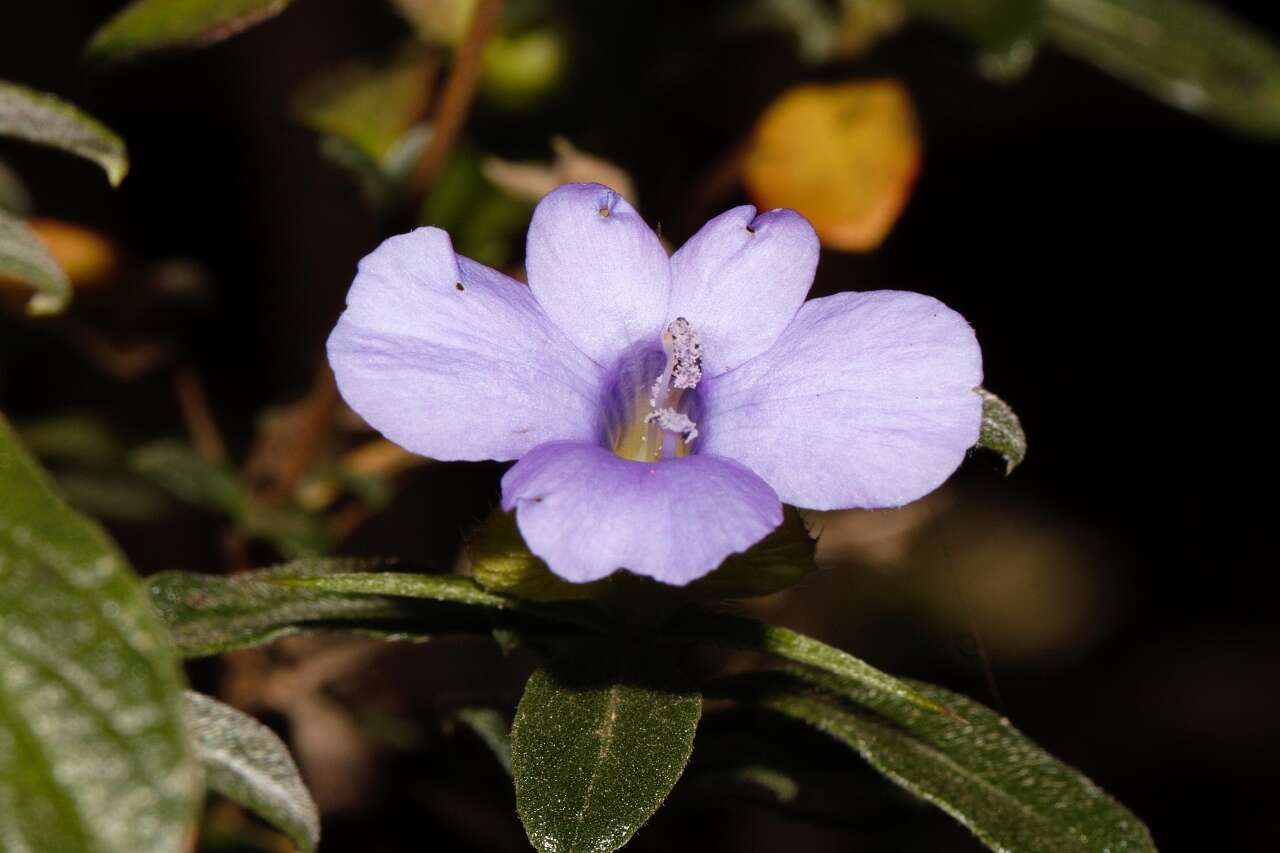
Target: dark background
x=1115, y=256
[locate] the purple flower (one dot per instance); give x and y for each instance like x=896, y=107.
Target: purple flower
x=662, y=409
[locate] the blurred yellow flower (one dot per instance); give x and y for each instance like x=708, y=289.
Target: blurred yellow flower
x=846, y=156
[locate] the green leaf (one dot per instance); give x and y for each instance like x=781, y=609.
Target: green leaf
x=452, y=588
x=738, y=632
x=177, y=468
x=14, y=197
x=48, y=120
x=1188, y=54
x=492, y=727
x=150, y=25
x=93, y=753
x=114, y=497
x=596, y=747
x=780, y=786
x=980, y=770
x=1001, y=430
x=295, y=532
x=447, y=588
x=208, y=614
x=372, y=120
x=438, y=23
x=26, y=260
x=72, y=438
x=245, y=761
x=370, y=107
x=991, y=24
x=484, y=222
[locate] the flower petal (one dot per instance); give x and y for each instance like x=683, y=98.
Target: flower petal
x=453, y=360
x=597, y=270
x=587, y=512
x=866, y=400
x=740, y=280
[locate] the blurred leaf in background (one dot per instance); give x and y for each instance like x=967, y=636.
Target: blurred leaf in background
x=521, y=68
x=438, y=22
x=25, y=257
x=151, y=25
x=1190, y=54
x=372, y=118
x=14, y=196
x=485, y=223
x=1186, y=53
x=26, y=262
x=844, y=155
x=48, y=120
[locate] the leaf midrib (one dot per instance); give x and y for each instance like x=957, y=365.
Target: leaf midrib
x=606, y=730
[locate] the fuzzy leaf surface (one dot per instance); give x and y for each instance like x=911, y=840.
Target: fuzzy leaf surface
x=93, y=752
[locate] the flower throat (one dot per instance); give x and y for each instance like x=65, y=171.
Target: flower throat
x=660, y=425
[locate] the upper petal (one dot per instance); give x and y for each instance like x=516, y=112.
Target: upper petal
x=740, y=279
x=453, y=360
x=866, y=400
x=598, y=270
x=587, y=512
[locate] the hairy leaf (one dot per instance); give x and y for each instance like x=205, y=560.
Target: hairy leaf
x=246, y=762
x=150, y=25
x=208, y=614
x=596, y=747
x=738, y=632
x=1186, y=53
x=24, y=259
x=978, y=768
x=452, y=588
x=93, y=753
x=1001, y=430
x=49, y=120
x=447, y=588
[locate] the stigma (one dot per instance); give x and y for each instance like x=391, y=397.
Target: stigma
x=665, y=428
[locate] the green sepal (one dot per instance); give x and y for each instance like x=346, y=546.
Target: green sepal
x=1001, y=430
x=497, y=557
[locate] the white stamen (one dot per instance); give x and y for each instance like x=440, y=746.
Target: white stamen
x=681, y=373
x=684, y=352
x=683, y=370
x=669, y=420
